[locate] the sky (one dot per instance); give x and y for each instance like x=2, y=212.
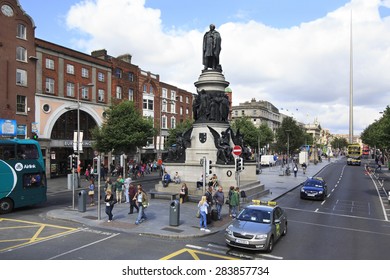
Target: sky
x=293, y=54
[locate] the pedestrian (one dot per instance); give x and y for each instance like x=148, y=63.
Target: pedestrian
x=126, y=184
x=295, y=169
x=108, y=185
x=109, y=200
x=141, y=199
x=304, y=166
x=119, y=189
x=235, y=202
x=209, y=197
x=219, y=199
x=183, y=193
x=133, y=204
x=166, y=179
x=176, y=178
x=199, y=183
x=203, y=211
x=231, y=191
x=91, y=192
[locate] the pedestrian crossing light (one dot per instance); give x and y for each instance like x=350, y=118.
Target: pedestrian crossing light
x=74, y=161
x=35, y=136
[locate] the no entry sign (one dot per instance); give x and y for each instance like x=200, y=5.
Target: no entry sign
x=237, y=150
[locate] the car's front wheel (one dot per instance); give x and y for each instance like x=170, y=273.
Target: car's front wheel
x=285, y=229
x=270, y=244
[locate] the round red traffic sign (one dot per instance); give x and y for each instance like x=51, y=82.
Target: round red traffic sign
x=237, y=150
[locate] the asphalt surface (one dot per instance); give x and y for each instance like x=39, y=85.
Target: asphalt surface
x=166, y=218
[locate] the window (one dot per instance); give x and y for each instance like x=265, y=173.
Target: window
x=21, y=77
x=21, y=31
x=187, y=111
x=181, y=110
x=164, y=93
x=21, y=54
x=70, y=89
x=173, y=95
x=147, y=104
x=84, y=73
x=243, y=113
x=187, y=100
x=131, y=77
x=181, y=98
x=151, y=90
x=101, y=77
x=145, y=88
x=131, y=94
x=164, y=122
x=118, y=73
x=49, y=85
x=173, y=122
x=118, y=92
x=49, y=63
x=70, y=69
x=101, y=95
x=164, y=106
x=84, y=93
x=21, y=104
x=173, y=107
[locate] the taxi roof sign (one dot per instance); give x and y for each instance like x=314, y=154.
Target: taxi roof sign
x=264, y=202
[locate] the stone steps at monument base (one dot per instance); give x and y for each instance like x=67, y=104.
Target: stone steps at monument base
x=253, y=190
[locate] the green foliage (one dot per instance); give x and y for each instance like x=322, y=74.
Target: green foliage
x=377, y=134
x=289, y=135
x=124, y=129
x=248, y=129
x=339, y=142
x=173, y=132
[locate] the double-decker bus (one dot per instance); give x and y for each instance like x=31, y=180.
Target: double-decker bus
x=354, y=154
x=22, y=173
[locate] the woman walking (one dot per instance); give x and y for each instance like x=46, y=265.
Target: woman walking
x=203, y=205
x=109, y=200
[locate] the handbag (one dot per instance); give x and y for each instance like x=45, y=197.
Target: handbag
x=91, y=193
x=227, y=201
x=197, y=214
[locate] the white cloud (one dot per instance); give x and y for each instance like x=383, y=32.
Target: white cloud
x=305, y=67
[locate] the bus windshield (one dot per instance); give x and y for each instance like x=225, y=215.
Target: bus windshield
x=22, y=173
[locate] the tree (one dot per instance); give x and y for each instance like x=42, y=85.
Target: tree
x=123, y=130
x=339, y=143
x=173, y=132
x=248, y=129
x=289, y=135
x=266, y=136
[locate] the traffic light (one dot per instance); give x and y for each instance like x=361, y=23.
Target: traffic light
x=239, y=164
x=209, y=169
x=34, y=136
x=236, y=163
x=74, y=161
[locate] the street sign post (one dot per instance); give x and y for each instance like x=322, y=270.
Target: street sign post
x=237, y=150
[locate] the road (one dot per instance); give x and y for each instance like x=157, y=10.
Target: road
x=350, y=224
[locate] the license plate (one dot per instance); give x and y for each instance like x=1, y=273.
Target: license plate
x=242, y=241
x=311, y=194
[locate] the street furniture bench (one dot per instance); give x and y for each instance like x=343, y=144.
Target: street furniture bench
x=172, y=195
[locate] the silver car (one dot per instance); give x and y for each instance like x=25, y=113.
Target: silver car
x=257, y=227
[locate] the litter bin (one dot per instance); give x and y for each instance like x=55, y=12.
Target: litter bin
x=174, y=213
x=82, y=201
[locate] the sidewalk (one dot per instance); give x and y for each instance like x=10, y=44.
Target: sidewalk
x=162, y=219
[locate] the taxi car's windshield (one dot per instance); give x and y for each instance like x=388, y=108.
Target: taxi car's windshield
x=255, y=216
x=313, y=183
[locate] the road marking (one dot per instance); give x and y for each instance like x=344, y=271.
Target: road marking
x=84, y=246
x=380, y=196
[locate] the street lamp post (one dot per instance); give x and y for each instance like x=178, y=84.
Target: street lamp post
x=78, y=138
x=288, y=146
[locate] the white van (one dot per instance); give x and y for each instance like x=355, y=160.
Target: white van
x=267, y=160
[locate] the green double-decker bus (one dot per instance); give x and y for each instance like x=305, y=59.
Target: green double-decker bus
x=22, y=174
